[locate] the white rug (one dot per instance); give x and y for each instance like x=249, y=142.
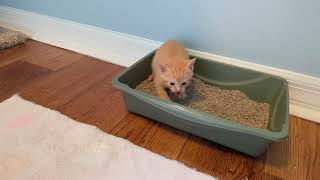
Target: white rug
x=39, y=143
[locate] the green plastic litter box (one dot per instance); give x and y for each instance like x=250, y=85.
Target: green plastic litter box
x=258, y=86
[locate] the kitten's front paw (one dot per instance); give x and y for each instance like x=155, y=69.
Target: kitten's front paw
x=164, y=96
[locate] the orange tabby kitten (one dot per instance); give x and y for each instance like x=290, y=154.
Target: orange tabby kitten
x=172, y=69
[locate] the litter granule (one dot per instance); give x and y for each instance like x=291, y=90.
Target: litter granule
x=233, y=105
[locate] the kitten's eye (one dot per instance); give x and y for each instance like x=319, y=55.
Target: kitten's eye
x=184, y=83
x=172, y=83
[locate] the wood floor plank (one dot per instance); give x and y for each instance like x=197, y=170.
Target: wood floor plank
x=154, y=136
x=15, y=76
x=102, y=106
x=203, y=156
x=63, y=86
x=24, y=50
x=218, y=161
x=299, y=156
x=46, y=56
x=109, y=114
x=62, y=61
x=163, y=140
x=130, y=127
x=53, y=58
x=87, y=103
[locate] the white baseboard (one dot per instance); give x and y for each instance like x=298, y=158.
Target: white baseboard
x=115, y=47
x=124, y=49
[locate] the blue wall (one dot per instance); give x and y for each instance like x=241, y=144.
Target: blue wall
x=279, y=33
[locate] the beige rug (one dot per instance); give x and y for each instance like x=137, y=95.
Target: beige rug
x=10, y=38
x=39, y=143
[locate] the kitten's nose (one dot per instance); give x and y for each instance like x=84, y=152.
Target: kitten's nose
x=178, y=92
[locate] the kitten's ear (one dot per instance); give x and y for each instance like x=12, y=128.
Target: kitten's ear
x=163, y=68
x=191, y=63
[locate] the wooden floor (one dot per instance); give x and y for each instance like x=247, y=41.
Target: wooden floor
x=80, y=87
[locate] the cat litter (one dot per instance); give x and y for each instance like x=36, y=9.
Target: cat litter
x=232, y=105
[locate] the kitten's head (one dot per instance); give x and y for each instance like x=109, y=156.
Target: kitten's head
x=177, y=76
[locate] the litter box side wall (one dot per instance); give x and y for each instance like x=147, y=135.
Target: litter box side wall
x=280, y=114
x=135, y=74
x=245, y=143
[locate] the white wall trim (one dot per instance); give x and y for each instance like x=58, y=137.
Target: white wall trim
x=124, y=49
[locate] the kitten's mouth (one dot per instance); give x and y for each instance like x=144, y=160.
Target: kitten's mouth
x=176, y=95
x=179, y=96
